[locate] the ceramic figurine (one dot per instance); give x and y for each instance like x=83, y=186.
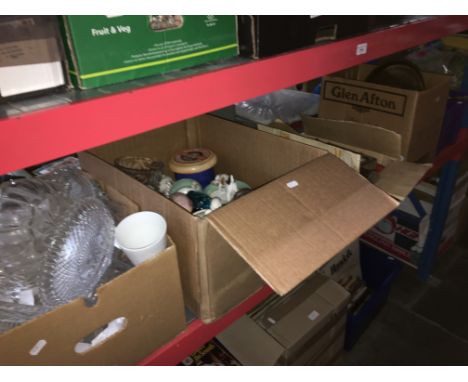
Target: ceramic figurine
x=215, y=204
x=185, y=185
x=199, y=200
x=220, y=179
x=165, y=185
x=223, y=187
x=231, y=189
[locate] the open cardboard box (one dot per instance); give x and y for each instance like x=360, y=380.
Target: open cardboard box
x=416, y=116
x=148, y=296
x=398, y=177
x=350, y=141
x=282, y=129
x=306, y=207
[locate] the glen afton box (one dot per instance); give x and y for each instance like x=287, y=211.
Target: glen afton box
x=416, y=115
x=104, y=50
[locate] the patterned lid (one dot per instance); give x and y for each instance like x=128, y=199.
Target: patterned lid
x=189, y=161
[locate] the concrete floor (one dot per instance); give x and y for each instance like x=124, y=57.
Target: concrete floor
x=423, y=323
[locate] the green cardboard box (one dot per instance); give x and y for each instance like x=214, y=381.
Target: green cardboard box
x=103, y=50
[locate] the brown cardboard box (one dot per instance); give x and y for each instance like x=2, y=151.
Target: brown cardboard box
x=31, y=54
x=332, y=353
x=281, y=129
x=149, y=296
x=212, y=353
x=345, y=269
x=292, y=330
x=349, y=141
x=416, y=116
x=374, y=141
x=306, y=207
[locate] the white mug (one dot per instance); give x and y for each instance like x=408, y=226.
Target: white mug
x=141, y=236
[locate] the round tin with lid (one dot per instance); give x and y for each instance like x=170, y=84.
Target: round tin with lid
x=196, y=163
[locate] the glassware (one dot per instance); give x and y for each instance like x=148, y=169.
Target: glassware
x=78, y=253
x=56, y=238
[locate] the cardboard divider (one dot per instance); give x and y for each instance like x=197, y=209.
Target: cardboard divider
x=399, y=178
x=365, y=137
x=352, y=159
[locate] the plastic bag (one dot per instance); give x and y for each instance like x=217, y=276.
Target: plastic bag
x=434, y=58
x=286, y=104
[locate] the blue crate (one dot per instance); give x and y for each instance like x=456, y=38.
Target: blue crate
x=378, y=272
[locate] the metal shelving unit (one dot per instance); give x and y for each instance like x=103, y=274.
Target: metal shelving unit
x=448, y=161
x=81, y=120
x=47, y=128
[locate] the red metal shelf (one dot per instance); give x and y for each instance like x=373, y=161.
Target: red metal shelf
x=451, y=152
x=33, y=138
x=197, y=333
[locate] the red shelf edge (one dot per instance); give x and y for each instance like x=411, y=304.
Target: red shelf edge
x=60, y=131
x=197, y=333
x=451, y=152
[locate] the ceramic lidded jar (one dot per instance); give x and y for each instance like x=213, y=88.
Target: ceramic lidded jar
x=196, y=163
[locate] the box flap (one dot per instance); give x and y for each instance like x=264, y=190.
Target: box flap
x=354, y=135
x=290, y=227
x=352, y=159
x=399, y=178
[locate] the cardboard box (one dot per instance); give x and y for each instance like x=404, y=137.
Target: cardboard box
x=345, y=269
x=267, y=35
x=281, y=129
x=292, y=330
x=31, y=55
x=332, y=354
x=107, y=49
x=376, y=142
x=306, y=207
x=148, y=296
x=352, y=142
x=404, y=232
x=212, y=353
x=416, y=116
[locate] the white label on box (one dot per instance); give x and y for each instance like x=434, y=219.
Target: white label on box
x=361, y=49
x=292, y=184
x=313, y=315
